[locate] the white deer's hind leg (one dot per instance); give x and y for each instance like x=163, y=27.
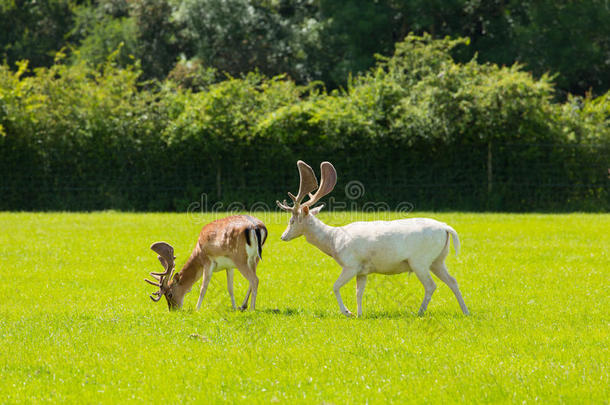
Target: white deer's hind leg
x=360, y=284
x=345, y=276
x=423, y=274
x=230, y=287
x=440, y=270
x=207, y=275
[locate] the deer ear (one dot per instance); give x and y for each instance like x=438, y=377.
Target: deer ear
x=316, y=210
x=305, y=210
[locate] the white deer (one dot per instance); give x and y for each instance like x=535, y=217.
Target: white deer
x=417, y=245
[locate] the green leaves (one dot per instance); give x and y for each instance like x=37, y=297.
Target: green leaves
x=102, y=130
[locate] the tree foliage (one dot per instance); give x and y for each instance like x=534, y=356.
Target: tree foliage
x=34, y=30
x=313, y=40
x=434, y=131
x=240, y=36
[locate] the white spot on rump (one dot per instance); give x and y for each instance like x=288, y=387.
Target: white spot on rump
x=252, y=248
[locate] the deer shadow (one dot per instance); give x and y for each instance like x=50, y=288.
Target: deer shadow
x=372, y=314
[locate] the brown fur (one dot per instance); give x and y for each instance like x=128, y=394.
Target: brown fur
x=223, y=237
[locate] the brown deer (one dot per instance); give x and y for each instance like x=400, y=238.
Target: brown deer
x=235, y=241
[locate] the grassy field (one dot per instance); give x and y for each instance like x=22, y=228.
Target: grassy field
x=76, y=323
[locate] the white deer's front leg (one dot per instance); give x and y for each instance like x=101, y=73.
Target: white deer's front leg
x=422, y=273
x=360, y=284
x=346, y=275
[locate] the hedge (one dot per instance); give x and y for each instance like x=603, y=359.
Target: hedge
x=419, y=130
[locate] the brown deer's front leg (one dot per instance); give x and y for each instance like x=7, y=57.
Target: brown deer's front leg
x=230, y=287
x=208, y=269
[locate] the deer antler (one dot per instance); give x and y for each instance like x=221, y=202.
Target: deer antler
x=166, y=257
x=307, y=184
x=327, y=183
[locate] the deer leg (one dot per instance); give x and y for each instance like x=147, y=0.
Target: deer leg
x=207, y=275
x=360, y=284
x=230, y=287
x=244, y=304
x=423, y=274
x=440, y=270
x=250, y=275
x=254, y=289
x=345, y=276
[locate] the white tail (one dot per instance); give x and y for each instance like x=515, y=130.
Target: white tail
x=455, y=238
x=254, y=244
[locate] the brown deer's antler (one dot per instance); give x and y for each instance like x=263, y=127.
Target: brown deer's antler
x=166, y=257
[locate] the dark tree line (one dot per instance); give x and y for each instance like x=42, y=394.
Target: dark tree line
x=198, y=41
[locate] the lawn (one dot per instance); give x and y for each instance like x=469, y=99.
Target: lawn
x=76, y=323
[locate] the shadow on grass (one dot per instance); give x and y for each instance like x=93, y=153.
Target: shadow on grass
x=372, y=314
x=412, y=315
x=284, y=312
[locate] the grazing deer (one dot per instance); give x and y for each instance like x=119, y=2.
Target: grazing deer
x=224, y=244
x=417, y=245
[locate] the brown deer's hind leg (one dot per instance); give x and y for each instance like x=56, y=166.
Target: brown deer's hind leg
x=250, y=274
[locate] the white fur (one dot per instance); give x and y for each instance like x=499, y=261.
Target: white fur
x=252, y=248
x=222, y=263
x=419, y=245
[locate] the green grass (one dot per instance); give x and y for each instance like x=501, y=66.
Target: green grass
x=76, y=323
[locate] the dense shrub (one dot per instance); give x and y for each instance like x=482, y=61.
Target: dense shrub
x=417, y=128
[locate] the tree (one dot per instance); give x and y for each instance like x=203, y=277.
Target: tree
x=100, y=30
x=33, y=30
x=565, y=37
x=158, y=45
x=240, y=36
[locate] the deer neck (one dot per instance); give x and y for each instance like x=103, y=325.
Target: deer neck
x=320, y=235
x=190, y=273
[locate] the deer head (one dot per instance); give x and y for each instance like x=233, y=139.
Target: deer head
x=302, y=212
x=163, y=280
